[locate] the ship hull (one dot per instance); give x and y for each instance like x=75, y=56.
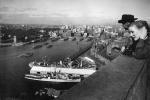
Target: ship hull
x=56, y=81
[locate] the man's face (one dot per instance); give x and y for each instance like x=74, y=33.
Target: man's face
x=126, y=25
x=134, y=32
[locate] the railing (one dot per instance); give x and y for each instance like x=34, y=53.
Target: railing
x=122, y=79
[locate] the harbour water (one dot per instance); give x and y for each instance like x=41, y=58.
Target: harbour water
x=13, y=66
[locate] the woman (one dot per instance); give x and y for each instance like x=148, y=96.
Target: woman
x=139, y=31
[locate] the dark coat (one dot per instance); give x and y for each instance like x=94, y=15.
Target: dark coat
x=130, y=48
x=142, y=50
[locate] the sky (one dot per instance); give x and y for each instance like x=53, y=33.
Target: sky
x=71, y=11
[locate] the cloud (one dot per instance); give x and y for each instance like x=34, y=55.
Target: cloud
x=26, y=9
x=13, y=16
x=63, y=13
x=6, y=9
x=40, y=14
x=16, y=10
x=1, y=16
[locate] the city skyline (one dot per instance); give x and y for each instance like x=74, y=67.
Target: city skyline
x=71, y=11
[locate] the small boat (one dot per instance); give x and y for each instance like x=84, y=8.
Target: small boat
x=37, y=46
x=54, y=39
x=89, y=39
x=81, y=39
x=65, y=39
x=49, y=46
x=5, y=45
x=35, y=41
x=46, y=43
x=74, y=39
x=32, y=41
x=18, y=44
x=62, y=39
x=29, y=54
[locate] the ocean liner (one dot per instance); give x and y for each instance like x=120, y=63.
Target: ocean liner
x=62, y=71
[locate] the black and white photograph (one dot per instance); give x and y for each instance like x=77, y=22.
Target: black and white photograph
x=74, y=49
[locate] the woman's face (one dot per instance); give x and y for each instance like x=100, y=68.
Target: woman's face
x=134, y=32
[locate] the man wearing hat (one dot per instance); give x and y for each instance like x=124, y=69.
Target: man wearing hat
x=126, y=20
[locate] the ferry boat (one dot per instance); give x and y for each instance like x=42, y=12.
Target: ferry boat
x=89, y=39
x=54, y=39
x=70, y=71
x=37, y=46
x=49, y=46
x=81, y=39
x=74, y=39
x=65, y=39
x=18, y=44
x=28, y=54
x=45, y=43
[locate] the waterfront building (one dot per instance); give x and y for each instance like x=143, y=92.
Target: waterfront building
x=54, y=34
x=26, y=38
x=15, y=39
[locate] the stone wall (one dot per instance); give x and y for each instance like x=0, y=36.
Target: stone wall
x=122, y=79
x=138, y=89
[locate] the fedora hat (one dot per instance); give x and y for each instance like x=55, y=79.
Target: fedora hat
x=127, y=18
